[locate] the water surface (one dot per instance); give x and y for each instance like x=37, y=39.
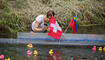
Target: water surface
x=19, y=52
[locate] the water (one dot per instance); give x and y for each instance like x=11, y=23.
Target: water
x=19, y=52
x=89, y=29
x=5, y=33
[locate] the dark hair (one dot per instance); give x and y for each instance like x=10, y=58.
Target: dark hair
x=50, y=13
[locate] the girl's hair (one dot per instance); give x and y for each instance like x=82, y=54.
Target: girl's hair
x=50, y=13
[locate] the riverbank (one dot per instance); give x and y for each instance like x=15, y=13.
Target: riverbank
x=19, y=14
x=96, y=29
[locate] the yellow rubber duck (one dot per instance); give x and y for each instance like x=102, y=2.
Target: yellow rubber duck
x=35, y=52
x=100, y=49
x=30, y=45
x=51, y=52
x=104, y=49
x=5, y=59
x=9, y=59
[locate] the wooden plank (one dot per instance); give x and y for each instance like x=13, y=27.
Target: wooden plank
x=66, y=39
x=40, y=42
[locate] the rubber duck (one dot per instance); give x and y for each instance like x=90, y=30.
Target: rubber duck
x=104, y=49
x=94, y=48
x=1, y=56
x=9, y=59
x=5, y=59
x=30, y=45
x=51, y=52
x=35, y=52
x=29, y=53
x=100, y=49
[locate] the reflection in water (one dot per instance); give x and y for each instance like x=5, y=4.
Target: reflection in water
x=18, y=52
x=29, y=53
x=35, y=57
x=55, y=56
x=58, y=52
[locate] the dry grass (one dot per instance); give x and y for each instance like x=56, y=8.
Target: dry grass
x=88, y=11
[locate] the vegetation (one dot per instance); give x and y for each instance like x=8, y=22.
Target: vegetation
x=17, y=15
